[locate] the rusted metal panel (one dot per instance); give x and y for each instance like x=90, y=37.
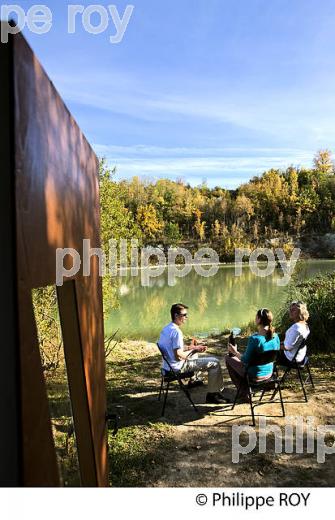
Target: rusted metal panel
x=57, y=206
x=77, y=380
x=89, y=302
x=39, y=463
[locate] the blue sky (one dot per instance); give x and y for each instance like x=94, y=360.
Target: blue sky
x=200, y=89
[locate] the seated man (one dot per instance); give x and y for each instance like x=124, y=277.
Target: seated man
x=295, y=335
x=172, y=342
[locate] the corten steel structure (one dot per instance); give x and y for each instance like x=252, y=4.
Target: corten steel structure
x=48, y=199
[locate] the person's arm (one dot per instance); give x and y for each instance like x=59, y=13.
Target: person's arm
x=180, y=354
x=185, y=353
x=292, y=338
x=194, y=347
x=178, y=346
x=198, y=348
x=233, y=350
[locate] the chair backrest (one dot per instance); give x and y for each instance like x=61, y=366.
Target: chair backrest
x=303, y=345
x=263, y=358
x=161, y=350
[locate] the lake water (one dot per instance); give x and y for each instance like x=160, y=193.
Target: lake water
x=215, y=303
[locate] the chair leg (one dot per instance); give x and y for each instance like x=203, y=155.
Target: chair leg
x=284, y=376
x=310, y=376
x=188, y=395
x=237, y=395
x=262, y=394
x=302, y=384
x=251, y=407
x=274, y=394
x=165, y=397
x=281, y=398
x=161, y=388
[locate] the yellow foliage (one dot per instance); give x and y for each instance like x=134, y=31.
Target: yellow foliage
x=148, y=221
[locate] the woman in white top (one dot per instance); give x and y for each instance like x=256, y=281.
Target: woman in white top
x=296, y=334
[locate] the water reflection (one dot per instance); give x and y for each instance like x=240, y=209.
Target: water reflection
x=218, y=302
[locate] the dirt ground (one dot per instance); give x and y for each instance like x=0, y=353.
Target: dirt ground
x=198, y=448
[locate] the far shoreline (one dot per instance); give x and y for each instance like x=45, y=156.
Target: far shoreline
x=223, y=264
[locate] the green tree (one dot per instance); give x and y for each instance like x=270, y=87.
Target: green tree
x=116, y=220
x=172, y=233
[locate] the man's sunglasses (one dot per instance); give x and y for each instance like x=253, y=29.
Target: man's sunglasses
x=183, y=315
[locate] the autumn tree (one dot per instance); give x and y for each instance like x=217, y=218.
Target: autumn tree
x=243, y=209
x=323, y=162
x=276, y=204
x=216, y=229
x=147, y=219
x=199, y=225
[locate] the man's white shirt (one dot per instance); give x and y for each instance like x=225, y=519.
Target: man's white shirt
x=171, y=339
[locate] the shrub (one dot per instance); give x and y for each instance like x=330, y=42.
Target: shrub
x=318, y=294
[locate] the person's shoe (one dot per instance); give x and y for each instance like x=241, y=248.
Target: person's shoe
x=193, y=383
x=215, y=398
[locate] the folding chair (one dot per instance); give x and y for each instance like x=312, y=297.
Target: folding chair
x=299, y=367
x=273, y=383
x=171, y=375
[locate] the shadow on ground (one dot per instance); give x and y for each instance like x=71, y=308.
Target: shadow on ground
x=185, y=449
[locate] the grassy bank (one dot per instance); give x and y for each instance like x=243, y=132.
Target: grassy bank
x=131, y=372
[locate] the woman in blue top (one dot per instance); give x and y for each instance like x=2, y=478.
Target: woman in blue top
x=263, y=340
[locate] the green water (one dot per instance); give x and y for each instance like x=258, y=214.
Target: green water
x=219, y=302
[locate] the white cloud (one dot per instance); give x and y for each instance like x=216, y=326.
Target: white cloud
x=227, y=167
x=296, y=113
x=302, y=119
x=186, y=151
